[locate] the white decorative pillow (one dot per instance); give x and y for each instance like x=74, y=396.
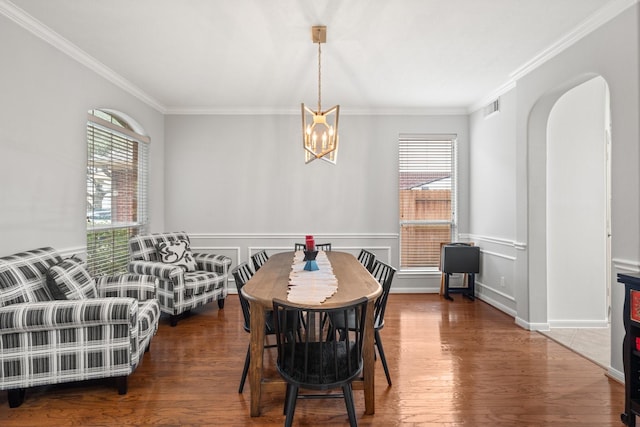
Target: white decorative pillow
x=177, y=253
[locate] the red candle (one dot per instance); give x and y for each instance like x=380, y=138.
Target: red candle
x=311, y=245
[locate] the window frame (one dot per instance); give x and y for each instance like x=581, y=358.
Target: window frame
x=107, y=241
x=415, y=140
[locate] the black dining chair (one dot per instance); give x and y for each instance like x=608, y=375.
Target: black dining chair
x=384, y=275
x=241, y=275
x=258, y=259
x=367, y=259
x=319, y=247
x=316, y=360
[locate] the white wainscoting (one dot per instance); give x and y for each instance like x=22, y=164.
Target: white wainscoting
x=240, y=246
x=496, y=282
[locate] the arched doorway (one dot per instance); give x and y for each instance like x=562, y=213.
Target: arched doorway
x=578, y=255
x=557, y=188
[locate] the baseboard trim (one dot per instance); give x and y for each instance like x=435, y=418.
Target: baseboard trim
x=615, y=375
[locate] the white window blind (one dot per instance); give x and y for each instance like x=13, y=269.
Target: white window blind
x=427, y=193
x=117, y=182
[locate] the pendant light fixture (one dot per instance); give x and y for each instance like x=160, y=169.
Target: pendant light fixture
x=320, y=128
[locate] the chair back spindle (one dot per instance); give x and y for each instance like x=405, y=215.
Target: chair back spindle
x=367, y=259
x=241, y=275
x=258, y=259
x=384, y=275
x=323, y=247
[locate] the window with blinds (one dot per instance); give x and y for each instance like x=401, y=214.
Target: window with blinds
x=427, y=193
x=117, y=182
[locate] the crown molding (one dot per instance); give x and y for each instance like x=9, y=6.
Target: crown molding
x=405, y=111
x=45, y=33
x=598, y=19
x=39, y=29
x=235, y=111
x=497, y=93
x=448, y=111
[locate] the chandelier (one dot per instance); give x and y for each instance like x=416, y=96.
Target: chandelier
x=320, y=128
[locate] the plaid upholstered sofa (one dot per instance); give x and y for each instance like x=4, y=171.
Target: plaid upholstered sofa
x=57, y=324
x=179, y=289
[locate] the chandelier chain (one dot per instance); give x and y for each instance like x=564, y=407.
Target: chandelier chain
x=319, y=79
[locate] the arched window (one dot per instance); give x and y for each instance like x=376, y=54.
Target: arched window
x=117, y=188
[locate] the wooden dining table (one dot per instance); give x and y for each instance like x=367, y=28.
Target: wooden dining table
x=272, y=280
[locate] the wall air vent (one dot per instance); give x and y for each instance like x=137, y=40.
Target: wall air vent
x=492, y=108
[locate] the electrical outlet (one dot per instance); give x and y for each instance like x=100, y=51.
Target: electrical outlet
x=502, y=281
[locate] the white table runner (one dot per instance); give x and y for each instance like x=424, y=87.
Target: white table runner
x=311, y=287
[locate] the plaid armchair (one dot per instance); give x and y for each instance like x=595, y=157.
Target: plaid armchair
x=58, y=325
x=180, y=290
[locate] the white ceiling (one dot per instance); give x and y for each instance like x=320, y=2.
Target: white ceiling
x=257, y=55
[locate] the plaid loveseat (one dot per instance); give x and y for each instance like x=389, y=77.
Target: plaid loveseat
x=179, y=290
x=102, y=332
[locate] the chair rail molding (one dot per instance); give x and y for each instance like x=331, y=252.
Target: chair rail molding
x=289, y=236
x=240, y=246
x=626, y=265
x=521, y=246
x=494, y=240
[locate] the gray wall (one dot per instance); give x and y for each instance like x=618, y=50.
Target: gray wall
x=493, y=201
x=611, y=52
x=239, y=183
x=44, y=99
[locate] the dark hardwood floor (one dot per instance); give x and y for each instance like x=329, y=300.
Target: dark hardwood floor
x=458, y=363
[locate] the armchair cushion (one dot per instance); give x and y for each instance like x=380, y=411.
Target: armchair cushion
x=202, y=282
x=69, y=280
x=158, y=269
x=21, y=276
x=139, y=286
x=177, y=253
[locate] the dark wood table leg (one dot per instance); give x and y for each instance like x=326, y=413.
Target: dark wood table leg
x=257, y=351
x=368, y=355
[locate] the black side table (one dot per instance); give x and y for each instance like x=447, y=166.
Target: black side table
x=631, y=348
x=460, y=258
